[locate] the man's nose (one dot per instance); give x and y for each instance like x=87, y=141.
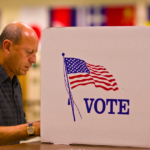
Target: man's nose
x=32, y=58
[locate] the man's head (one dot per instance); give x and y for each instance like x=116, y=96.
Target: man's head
x=18, y=47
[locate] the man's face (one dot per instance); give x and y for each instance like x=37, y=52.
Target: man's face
x=22, y=55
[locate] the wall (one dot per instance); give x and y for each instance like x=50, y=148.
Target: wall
x=10, y=12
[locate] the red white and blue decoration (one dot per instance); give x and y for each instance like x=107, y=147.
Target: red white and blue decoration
x=110, y=16
x=92, y=16
x=79, y=73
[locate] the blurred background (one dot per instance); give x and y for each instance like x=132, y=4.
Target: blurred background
x=40, y=14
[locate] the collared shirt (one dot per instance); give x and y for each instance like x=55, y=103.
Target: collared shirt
x=11, y=107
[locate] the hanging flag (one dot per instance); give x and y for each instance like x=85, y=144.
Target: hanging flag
x=81, y=73
x=95, y=16
x=110, y=16
x=119, y=16
x=62, y=17
x=80, y=16
x=66, y=16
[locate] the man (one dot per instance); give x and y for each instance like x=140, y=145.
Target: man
x=18, y=47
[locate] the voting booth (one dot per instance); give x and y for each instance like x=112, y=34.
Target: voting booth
x=95, y=86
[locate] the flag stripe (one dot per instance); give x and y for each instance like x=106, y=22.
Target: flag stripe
x=102, y=75
x=85, y=80
x=82, y=84
x=96, y=68
x=107, y=89
x=96, y=81
x=78, y=81
x=77, y=76
x=75, y=79
x=93, y=65
x=101, y=78
x=108, y=84
x=100, y=71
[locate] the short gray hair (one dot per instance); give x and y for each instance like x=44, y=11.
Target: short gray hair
x=12, y=33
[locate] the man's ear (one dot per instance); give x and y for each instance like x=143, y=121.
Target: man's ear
x=7, y=44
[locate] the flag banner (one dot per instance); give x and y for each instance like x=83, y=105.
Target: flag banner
x=119, y=16
x=92, y=16
x=95, y=16
x=81, y=73
x=80, y=16
x=62, y=17
x=110, y=16
x=67, y=16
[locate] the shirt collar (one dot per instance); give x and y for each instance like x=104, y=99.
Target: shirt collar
x=15, y=80
x=3, y=74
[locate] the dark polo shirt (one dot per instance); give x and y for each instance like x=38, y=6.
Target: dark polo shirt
x=11, y=107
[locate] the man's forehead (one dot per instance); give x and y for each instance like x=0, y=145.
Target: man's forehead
x=29, y=38
x=28, y=33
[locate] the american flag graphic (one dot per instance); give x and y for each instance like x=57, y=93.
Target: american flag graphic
x=81, y=73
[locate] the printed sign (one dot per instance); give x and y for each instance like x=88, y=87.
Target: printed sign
x=95, y=86
x=80, y=73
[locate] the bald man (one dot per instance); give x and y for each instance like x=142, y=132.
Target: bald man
x=18, y=47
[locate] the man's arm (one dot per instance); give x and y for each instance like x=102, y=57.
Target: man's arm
x=12, y=134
